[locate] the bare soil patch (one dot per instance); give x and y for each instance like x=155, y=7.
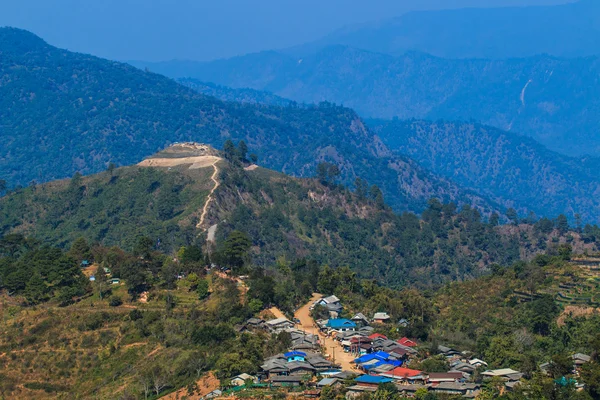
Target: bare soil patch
x=196, y=162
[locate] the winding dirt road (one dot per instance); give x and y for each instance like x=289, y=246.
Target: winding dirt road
x=333, y=348
x=210, y=195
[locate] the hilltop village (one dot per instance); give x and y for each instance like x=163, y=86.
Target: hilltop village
x=335, y=356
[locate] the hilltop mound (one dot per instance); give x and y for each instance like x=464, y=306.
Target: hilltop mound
x=194, y=154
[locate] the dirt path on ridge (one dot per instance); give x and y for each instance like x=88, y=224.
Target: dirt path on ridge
x=210, y=195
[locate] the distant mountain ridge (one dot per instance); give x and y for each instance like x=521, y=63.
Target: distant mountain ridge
x=551, y=99
x=64, y=112
x=566, y=30
x=511, y=169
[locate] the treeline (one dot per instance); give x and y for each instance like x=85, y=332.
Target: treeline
x=39, y=273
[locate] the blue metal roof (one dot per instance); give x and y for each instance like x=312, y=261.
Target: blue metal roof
x=380, y=355
x=294, y=354
x=372, y=379
x=395, y=363
x=340, y=323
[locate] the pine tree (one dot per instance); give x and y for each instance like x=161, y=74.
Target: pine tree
x=36, y=289
x=242, y=150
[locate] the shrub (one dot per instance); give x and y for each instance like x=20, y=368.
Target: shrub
x=115, y=301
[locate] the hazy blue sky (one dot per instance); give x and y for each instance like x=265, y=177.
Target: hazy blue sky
x=156, y=30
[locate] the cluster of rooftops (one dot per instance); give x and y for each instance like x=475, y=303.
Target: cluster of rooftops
x=378, y=359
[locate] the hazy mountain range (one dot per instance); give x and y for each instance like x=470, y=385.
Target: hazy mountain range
x=569, y=30
x=550, y=99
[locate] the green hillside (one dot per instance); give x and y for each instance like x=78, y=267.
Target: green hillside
x=511, y=169
x=285, y=218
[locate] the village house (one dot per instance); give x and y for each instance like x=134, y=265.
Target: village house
x=252, y=324
x=295, y=363
x=340, y=325
x=410, y=389
x=286, y=380
x=407, y=342
x=381, y=318
x=456, y=388
x=505, y=374
x=579, y=359
x=241, y=379
x=360, y=320
x=406, y=375
x=476, y=362
x=436, y=378
x=335, y=382
x=324, y=301
x=295, y=356
x=279, y=324
x=302, y=340
x=462, y=366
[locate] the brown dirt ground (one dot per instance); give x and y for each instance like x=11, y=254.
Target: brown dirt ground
x=206, y=384
x=197, y=162
x=575, y=311
x=332, y=347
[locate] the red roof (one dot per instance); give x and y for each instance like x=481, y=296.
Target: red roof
x=402, y=372
x=407, y=342
x=377, y=335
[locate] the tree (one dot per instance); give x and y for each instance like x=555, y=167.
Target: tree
x=255, y=306
x=242, y=150
x=229, y=150
x=2, y=185
x=80, y=250
x=377, y=196
x=253, y=158
x=191, y=254
x=494, y=219
x=386, y=391
x=111, y=168
x=590, y=375
x=202, y=289
x=512, y=215
x=562, y=223
x=115, y=301
x=561, y=365
x=36, y=289
x=362, y=188
x=578, y=223
x=143, y=247
x=235, y=249
x=159, y=378
x=327, y=173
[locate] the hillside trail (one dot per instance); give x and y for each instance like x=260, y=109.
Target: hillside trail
x=210, y=195
x=333, y=349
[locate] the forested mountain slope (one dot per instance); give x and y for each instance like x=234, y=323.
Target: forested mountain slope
x=238, y=95
x=64, y=112
x=511, y=169
x=550, y=99
x=284, y=217
x=568, y=30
